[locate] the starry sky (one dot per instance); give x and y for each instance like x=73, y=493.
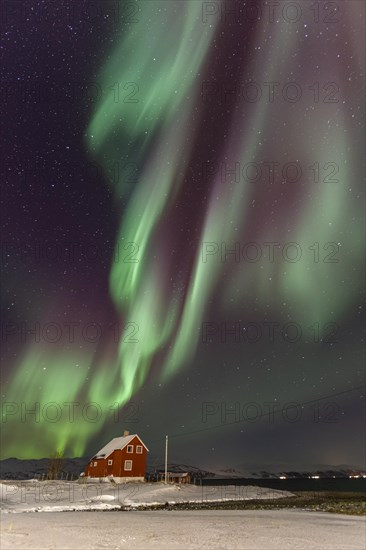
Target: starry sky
x=183, y=230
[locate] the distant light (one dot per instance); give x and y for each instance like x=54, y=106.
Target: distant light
x=282, y=477
x=314, y=477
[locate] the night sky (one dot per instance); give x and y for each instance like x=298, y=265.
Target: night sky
x=183, y=230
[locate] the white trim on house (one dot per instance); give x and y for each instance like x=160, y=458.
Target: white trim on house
x=126, y=469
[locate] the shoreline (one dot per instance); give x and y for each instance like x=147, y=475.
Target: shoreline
x=338, y=503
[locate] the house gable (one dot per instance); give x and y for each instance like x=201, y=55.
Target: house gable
x=118, y=443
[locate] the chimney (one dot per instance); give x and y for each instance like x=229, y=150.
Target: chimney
x=126, y=432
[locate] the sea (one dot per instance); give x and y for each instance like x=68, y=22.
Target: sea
x=353, y=485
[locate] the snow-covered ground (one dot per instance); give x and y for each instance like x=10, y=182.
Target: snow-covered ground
x=59, y=496
x=234, y=529
x=216, y=529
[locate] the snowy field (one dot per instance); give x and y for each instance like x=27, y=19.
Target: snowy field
x=60, y=496
x=216, y=529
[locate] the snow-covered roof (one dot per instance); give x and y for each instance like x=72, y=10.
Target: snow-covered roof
x=116, y=443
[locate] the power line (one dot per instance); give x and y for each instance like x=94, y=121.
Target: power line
x=226, y=424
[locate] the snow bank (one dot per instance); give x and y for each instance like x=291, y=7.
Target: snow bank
x=46, y=496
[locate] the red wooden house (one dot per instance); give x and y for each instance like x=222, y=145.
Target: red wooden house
x=123, y=459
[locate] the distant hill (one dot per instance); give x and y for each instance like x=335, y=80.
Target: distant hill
x=14, y=468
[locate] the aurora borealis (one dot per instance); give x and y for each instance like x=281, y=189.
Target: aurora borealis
x=227, y=193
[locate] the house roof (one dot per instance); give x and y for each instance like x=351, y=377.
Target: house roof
x=116, y=443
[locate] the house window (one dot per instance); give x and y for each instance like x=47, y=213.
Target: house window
x=130, y=448
x=139, y=449
x=95, y=464
x=128, y=465
x=110, y=462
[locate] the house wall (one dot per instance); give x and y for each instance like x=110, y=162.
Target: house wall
x=98, y=471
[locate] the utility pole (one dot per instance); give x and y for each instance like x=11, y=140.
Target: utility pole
x=166, y=460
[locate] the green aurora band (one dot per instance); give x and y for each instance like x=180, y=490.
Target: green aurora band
x=159, y=125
